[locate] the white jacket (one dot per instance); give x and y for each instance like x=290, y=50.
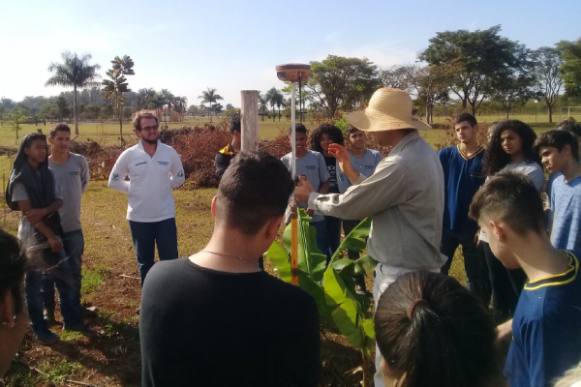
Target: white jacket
x=151, y=179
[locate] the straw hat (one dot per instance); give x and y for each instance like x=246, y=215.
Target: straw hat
x=388, y=109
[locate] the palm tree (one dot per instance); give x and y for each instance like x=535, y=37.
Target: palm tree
x=274, y=98
x=75, y=71
x=179, y=105
x=146, y=98
x=117, y=85
x=211, y=97
x=262, y=106
x=279, y=102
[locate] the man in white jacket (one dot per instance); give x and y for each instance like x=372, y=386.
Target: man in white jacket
x=147, y=172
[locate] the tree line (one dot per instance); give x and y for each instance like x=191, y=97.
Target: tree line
x=462, y=68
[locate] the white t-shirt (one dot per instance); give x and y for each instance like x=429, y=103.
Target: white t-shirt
x=151, y=179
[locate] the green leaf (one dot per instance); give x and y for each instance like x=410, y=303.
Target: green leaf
x=279, y=259
x=343, y=263
x=316, y=291
x=368, y=328
x=368, y=263
x=344, y=309
x=355, y=240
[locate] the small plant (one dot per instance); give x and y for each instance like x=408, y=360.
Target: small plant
x=332, y=285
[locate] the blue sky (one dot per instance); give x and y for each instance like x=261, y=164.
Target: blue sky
x=186, y=46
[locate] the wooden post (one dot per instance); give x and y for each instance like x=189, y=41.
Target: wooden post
x=249, y=119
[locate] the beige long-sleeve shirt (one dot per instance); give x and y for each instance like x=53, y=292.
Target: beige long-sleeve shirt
x=405, y=198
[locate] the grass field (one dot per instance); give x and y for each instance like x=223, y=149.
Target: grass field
x=107, y=133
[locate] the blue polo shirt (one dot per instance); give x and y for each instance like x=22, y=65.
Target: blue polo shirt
x=565, y=199
x=546, y=329
x=462, y=178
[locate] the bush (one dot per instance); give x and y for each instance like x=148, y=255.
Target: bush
x=197, y=147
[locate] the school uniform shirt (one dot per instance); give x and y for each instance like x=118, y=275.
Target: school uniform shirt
x=405, y=198
x=546, y=329
x=72, y=176
x=365, y=165
x=151, y=179
x=312, y=165
x=565, y=212
x=462, y=178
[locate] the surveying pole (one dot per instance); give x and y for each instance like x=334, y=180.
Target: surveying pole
x=294, y=73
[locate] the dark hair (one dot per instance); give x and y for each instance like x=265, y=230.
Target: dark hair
x=434, y=330
x=513, y=198
x=350, y=130
x=466, y=117
x=235, y=125
x=558, y=139
x=331, y=130
x=27, y=141
x=495, y=158
x=143, y=114
x=255, y=188
x=570, y=125
x=12, y=267
x=59, y=128
x=299, y=128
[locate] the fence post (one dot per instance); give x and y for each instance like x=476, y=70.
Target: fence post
x=249, y=119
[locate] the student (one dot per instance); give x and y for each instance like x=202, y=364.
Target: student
x=153, y=169
x=546, y=339
x=71, y=173
x=431, y=331
x=224, y=155
x=510, y=149
x=215, y=318
x=320, y=139
x=559, y=153
x=13, y=319
x=311, y=165
x=364, y=161
x=31, y=190
x=462, y=165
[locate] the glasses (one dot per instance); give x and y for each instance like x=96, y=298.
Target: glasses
x=154, y=127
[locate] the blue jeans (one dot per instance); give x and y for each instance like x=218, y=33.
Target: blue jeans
x=146, y=236
x=74, y=245
x=63, y=279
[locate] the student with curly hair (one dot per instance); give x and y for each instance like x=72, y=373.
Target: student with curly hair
x=510, y=149
x=32, y=191
x=320, y=139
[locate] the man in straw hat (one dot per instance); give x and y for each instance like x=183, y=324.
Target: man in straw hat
x=404, y=196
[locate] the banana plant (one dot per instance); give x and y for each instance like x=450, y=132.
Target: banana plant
x=332, y=284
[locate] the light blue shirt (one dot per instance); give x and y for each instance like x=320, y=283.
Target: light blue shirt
x=313, y=166
x=566, y=214
x=365, y=165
